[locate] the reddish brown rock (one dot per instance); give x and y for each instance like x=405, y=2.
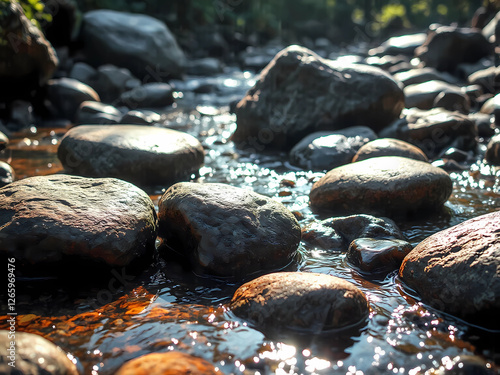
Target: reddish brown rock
x=387, y=186
x=457, y=270
x=389, y=147
x=170, y=363
x=299, y=301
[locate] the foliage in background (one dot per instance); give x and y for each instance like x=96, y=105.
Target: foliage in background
x=34, y=10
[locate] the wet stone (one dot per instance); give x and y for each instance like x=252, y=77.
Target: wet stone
x=387, y=186
x=7, y=174
x=423, y=95
x=488, y=79
x=376, y=257
x=67, y=94
x=4, y=141
x=91, y=113
x=140, y=154
x=422, y=75
x=47, y=219
x=434, y=131
x=400, y=45
x=452, y=101
x=149, y=95
x=327, y=150
x=493, y=151
x=143, y=117
x=34, y=355
x=337, y=233
x=170, y=363
x=456, y=270
x=300, y=302
x=300, y=93
x=389, y=147
x=227, y=231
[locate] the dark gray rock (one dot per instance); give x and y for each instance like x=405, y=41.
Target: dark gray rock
x=47, y=219
x=327, y=150
x=446, y=47
x=84, y=73
x=28, y=59
x=386, y=62
x=140, y=154
x=484, y=124
x=95, y=113
x=452, y=101
x=67, y=94
x=337, y=233
x=491, y=106
x=400, y=45
x=387, y=186
x=299, y=93
x=4, y=141
x=21, y=114
x=298, y=301
x=422, y=75
x=112, y=82
x=7, y=174
x=423, y=95
x=493, y=151
x=488, y=79
x=205, y=67
x=456, y=270
x=142, y=44
x=227, y=231
x=434, y=131
x=150, y=95
x=389, y=147
x=33, y=355
x=143, y=117
x=375, y=257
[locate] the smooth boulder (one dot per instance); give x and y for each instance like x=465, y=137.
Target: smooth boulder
x=169, y=363
x=4, y=141
x=389, y=147
x=387, y=186
x=423, y=95
x=33, y=355
x=150, y=95
x=140, y=43
x=457, y=270
x=299, y=93
x=48, y=219
x=302, y=302
x=227, y=231
x=139, y=154
x=399, y=45
x=327, y=150
x=492, y=155
x=7, y=174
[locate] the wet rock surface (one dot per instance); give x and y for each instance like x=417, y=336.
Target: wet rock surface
x=389, y=147
x=48, y=219
x=388, y=186
x=150, y=95
x=139, y=154
x=400, y=45
x=423, y=95
x=298, y=301
x=7, y=174
x=140, y=43
x=33, y=355
x=227, y=231
x=434, y=131
x=97, y=113
x=170, y=363
x=493, y=151
x=377, y=257
x=4, y=141
x=337, y=233
x=422, y=75
x=456, y=270
x=327, y=150
x=299, y=93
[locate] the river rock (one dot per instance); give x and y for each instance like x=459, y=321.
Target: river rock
x=84, y=73
x=389, y=147
x=456, y=270
x=299, y=301
x=400, y=45
x=488, y=79
x=422, y=75
x=327, y=150
x=387, y=186
x=169, y=363
x=150, y=95
x=299, y=93
x=434, y=131
x=493, y=151
x=28, y=59
x=4, y=141
x=34, y=355
x=49, y=218
x=140, y=43
x=97, y=113
x=227, y=231
x=143, y=117
x=112, y=81
x=67, y=94
x=7, y=174
x=140, y=154
x=447, y=46
x=337, y=233
x=376, y=257
x=452, y=101
x=422, y=95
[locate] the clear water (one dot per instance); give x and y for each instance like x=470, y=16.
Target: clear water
x=168, y=308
